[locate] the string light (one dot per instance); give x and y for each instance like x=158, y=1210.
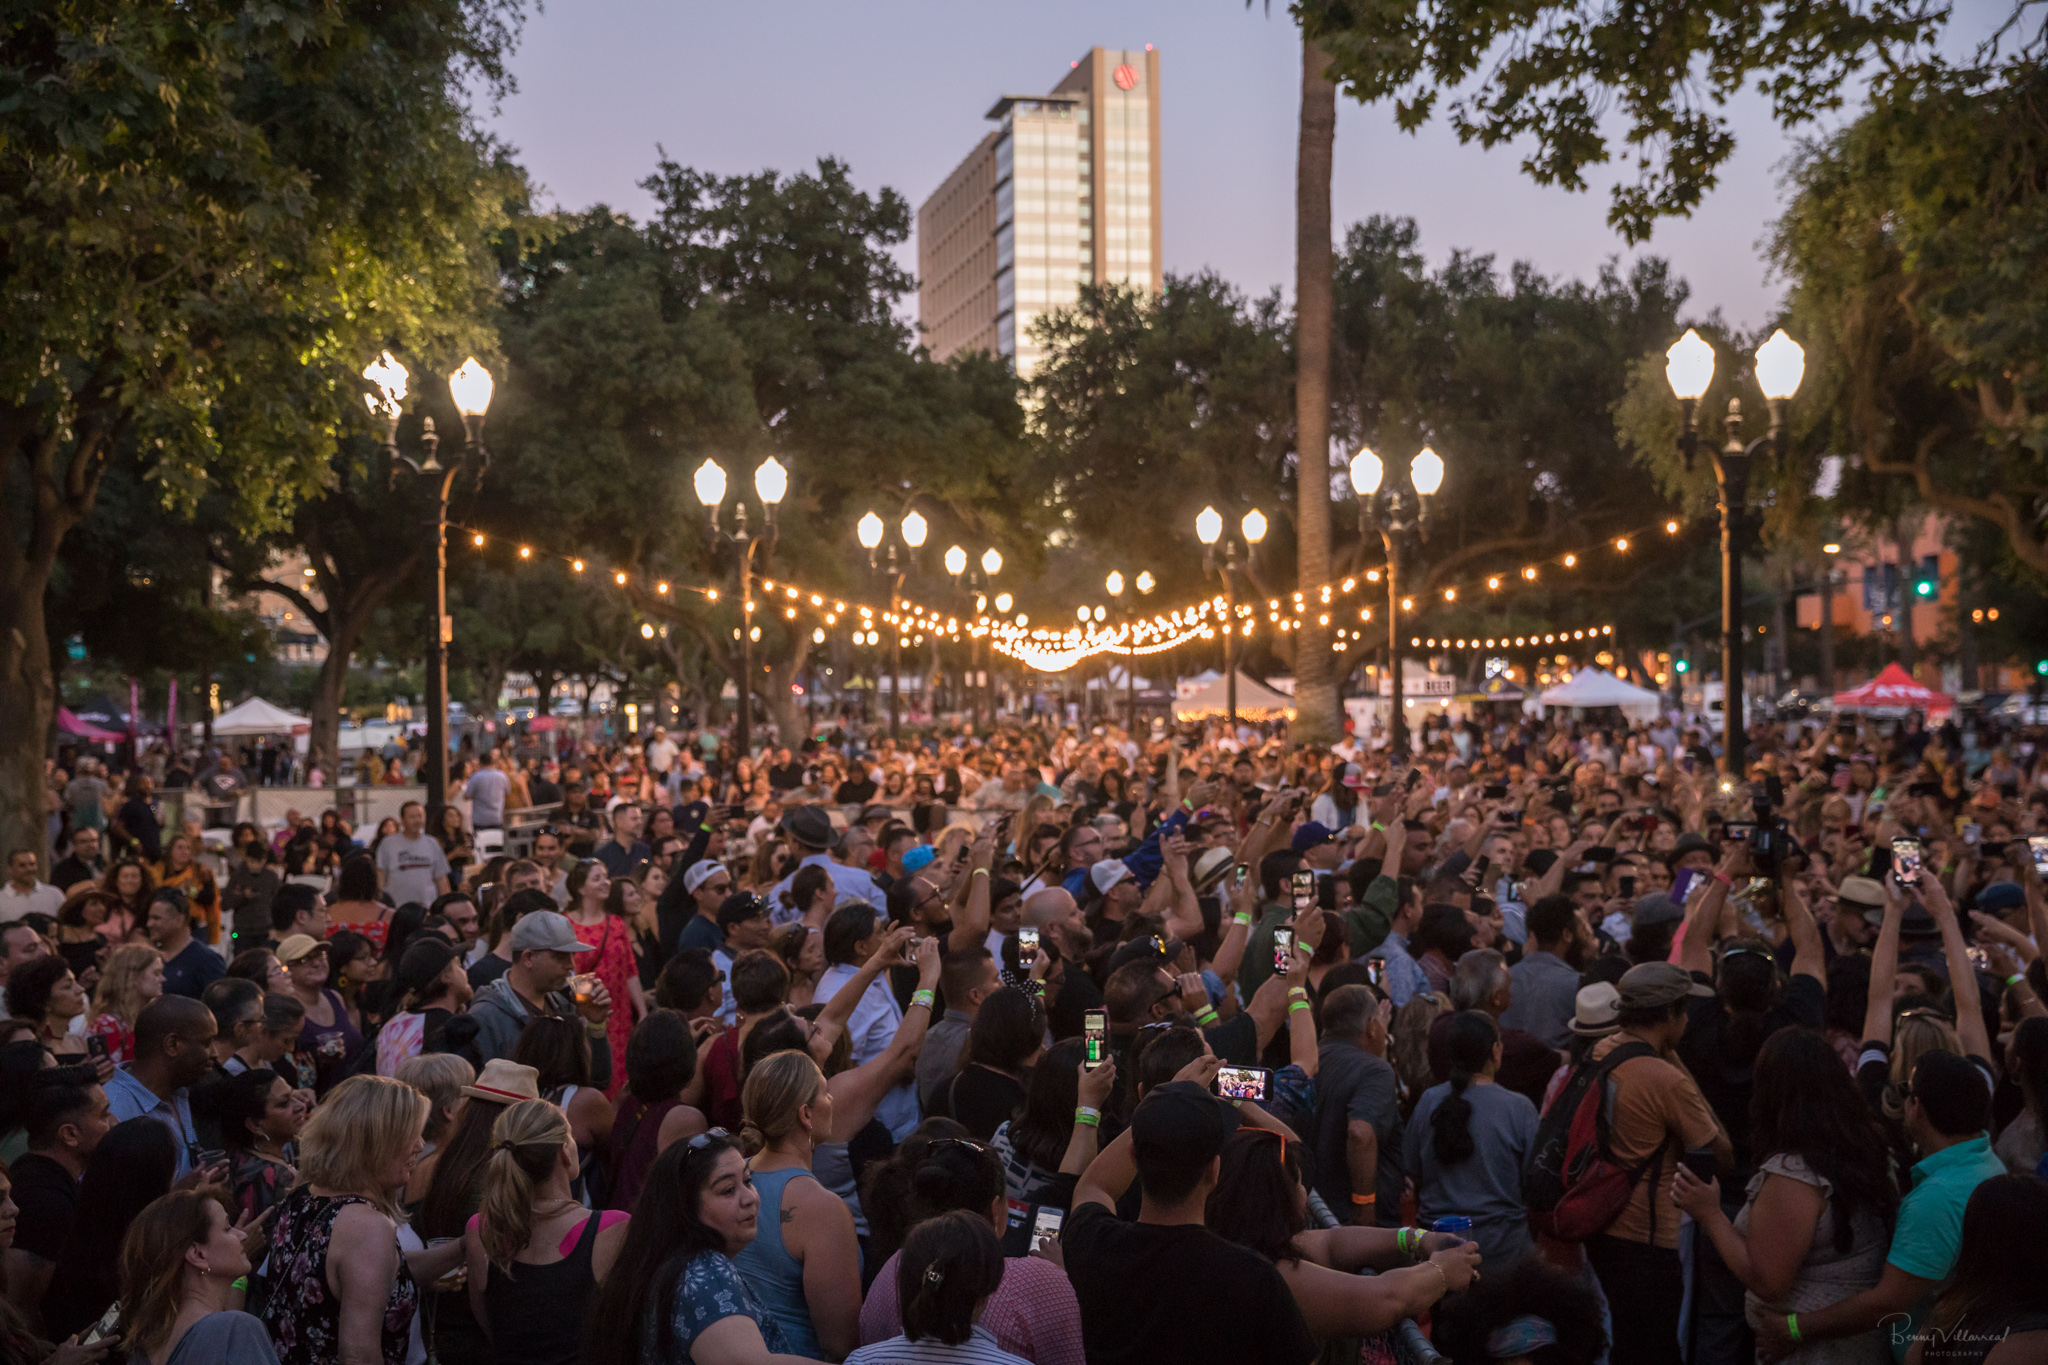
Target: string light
x=1052, y=651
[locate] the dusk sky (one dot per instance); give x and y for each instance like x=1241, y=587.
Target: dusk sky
x=897, y=89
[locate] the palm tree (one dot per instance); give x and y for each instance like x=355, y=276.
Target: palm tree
x=1315, y=674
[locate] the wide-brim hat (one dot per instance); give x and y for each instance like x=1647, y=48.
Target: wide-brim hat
x=299, y=947
x=505, y=1082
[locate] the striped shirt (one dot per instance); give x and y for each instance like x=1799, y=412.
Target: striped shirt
x=979, y=1349
x=1033, y=1316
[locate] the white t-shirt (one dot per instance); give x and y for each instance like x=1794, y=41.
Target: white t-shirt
x=42, y=899
x=660, y=754
x=410, y=867
x=486, y=789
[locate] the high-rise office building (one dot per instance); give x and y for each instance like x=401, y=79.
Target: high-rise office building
x=1063, y=192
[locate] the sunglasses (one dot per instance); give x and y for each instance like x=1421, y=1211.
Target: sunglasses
x=707, y=1137
x=939, y=1144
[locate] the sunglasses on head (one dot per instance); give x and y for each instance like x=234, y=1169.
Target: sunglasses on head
x=707, y=1137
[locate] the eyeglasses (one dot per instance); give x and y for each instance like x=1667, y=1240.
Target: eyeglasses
x=707, y=1137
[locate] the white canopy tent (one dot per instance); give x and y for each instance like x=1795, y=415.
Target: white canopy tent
x=1595, y=687
x=1255, y=702
x=258, y=717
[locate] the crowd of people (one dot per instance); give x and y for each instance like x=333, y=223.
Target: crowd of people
x=1547, y=1043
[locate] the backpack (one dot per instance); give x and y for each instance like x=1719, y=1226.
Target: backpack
x=1573, y=1186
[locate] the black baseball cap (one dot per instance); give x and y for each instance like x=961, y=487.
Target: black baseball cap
x=1179, y=1126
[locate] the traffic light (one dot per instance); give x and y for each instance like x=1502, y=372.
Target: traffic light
x=1683, y=666
x=1927, y=579
x=2041, y=668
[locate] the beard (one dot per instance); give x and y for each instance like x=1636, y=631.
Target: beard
x=1076, y=941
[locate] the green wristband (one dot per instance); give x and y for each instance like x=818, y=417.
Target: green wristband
x=1205, y=1016
x=1792, y=1326
x=1298, y=1005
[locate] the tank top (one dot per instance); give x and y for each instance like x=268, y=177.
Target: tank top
x=537, y=1310
x=775, y=1276
x=635, y=1133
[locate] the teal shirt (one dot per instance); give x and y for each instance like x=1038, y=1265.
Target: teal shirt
x=1930, y=1228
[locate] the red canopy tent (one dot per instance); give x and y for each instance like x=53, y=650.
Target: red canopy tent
x=1893, y=689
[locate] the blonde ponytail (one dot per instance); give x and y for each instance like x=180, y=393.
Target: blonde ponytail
x=525, y=1143
x=777, y=1089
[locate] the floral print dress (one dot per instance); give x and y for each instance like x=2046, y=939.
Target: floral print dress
x=302, y=1313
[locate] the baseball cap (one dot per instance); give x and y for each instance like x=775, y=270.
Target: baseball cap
x=1656, y=908
x=919, y=858
x=740, y=907
x=424, y=959
x=1146, y=947
x=546, y=931
x=1108, y=873
x=701, y=871
x=1311, y=834
x=1649, y=984
x=299, y=947
x=1354, y=776
x=2000, y=897
x=1179, y=1126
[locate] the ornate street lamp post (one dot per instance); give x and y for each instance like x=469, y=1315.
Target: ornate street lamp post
x=1689, y=368
x=771, y=484
x=471, y=387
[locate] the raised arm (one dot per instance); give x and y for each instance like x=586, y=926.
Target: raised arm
x=857, y=1093
x=1696, y=953
x=970, y=920
x=1094, y=1089
x=831, y=1021
x=1884, y=966
x=1962, y=976
x=1808, y=957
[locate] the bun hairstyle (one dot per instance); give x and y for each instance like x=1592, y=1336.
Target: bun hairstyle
x=950, y=1264
x=526, y=1141
x=1470, y=1038
x=777, y=1090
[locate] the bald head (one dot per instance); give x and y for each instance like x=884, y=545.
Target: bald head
x=171, y=1016
x=1049, y=905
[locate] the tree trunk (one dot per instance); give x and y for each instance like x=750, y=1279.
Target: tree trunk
x=28, y=706
x=59, y=470
x=778, y=700
x=1315, y=680
x=328, y=690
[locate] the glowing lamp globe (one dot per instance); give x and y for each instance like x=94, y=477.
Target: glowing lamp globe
x=1689, y=365
x=388, y=378
x=1426, y=471
x=710, y=483
x=1780, y=365
x=472, y=386
x=1367, y=471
